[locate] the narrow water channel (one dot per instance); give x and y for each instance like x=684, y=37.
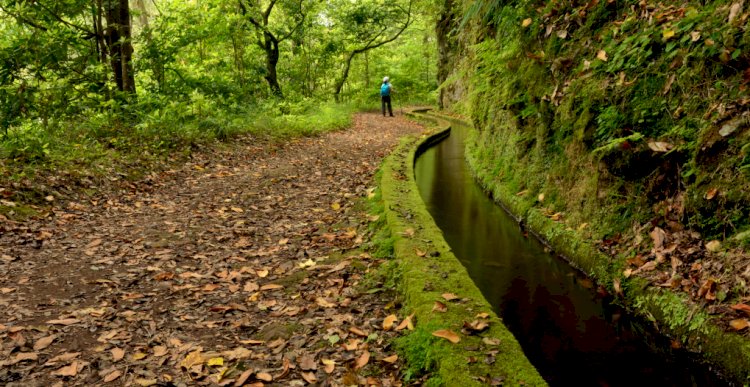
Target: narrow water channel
x=569, y=332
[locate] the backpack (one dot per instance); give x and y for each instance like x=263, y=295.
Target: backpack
x=385, y=90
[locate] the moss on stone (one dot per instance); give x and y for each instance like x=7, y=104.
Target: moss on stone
x=424, y=279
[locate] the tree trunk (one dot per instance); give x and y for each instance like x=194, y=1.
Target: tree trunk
x=271, y=46
x=345, y=74
x=118, y=38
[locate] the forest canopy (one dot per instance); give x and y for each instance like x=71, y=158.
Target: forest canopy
x=119, y=74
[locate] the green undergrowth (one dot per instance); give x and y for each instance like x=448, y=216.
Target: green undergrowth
x=102, y=145
x=425, y=269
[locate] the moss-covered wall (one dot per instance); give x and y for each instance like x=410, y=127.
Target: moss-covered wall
x=610, y=123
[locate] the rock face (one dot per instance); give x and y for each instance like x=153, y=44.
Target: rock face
x=625, y=118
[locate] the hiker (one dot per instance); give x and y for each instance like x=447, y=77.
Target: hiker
x=385, y=96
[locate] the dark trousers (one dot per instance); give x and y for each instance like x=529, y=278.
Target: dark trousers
x=386, y=100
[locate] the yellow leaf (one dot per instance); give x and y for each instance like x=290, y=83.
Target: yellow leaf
x=389, y=321
x=667, y=34
x=192, y=359
x=139, y=356
x=336, y=206
x=216, y=361
x=407, y=323
x=330, y=365
x=540, y=197
x=601, y=55
x=739, y=324
x=391, y=359
x=448, y=335
x=526, y=22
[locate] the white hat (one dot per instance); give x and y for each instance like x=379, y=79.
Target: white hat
x=385, y=79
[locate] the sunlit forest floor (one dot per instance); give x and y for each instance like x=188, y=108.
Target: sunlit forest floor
x=246, y=265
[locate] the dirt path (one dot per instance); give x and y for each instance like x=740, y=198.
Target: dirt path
x=241, y=267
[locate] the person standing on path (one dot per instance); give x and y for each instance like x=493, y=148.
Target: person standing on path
x=385, y=96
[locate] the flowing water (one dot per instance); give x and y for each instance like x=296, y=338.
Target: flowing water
x=568, y=330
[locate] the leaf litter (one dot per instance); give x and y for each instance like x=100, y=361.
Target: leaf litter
x=236, y=268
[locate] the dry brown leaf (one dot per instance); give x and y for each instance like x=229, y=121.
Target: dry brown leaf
x=65, y=357
x=448, y=335
x=713, y=246
x=358, y=331
x=117, y=354
x=44, y=342
x=307, y=363
x=602, y=55
x=450, y=296
x=389, y=321
x=742, y=307
x=69, y=370
x=658, y=236
x=476, y=326
x=67, y=321
x=482, y=315
x=262, y=273
x=309, y=377
x=352, y=344
x=264, y=376
x=419, y=253
x=439, y=307
x=362, y=360
x=160, y=350
x=739, y=324
x=491, y=341
x=243, y=378
x=323, y=302
x=407, y=323
x=24, y=356
x=271, y=287
x=112, y=376
x=711, y=193
x=329, y=364
x=391, y=359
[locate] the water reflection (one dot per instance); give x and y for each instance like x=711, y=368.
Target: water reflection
x=568, y=330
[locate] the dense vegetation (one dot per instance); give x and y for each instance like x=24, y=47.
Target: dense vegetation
x=85, y=84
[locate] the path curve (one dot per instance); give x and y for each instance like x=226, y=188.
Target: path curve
x=240, y=267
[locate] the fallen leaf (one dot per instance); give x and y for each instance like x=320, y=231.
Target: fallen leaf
x=713, y=246
x=138, y=356
x=44, y=342
x=450, y=296
x=307, y=363
x=660, y=146
x=420, y=253
x=742, y=307
x=658, y=235
x=243, y=378
x=329, y=364
x=112, y=376
x=491, y=341
x=526, y=22
x=351, y=344
x=324, y=303
x=271, y=287
x=192, y=359
x=483, y=315
x=475, y=326
x=69, y=370
x=391, y=359
x=67, y=321
x=250, y=286
x=215, y=361
x=406, y=323
x=358, y=331
x=739, y=324
x=601, y=55
x=439, y=307
x=65, y=357
x=262, y=273
x=448, y=335
x=143, y=382
x=24, y=356
x=309, y=377
x=117, y=354
x=695, y=36
x=711, y=193
x=667, y=34
x=362, y=360
x=160, y=350
x=264, y=376
x=389, y=321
